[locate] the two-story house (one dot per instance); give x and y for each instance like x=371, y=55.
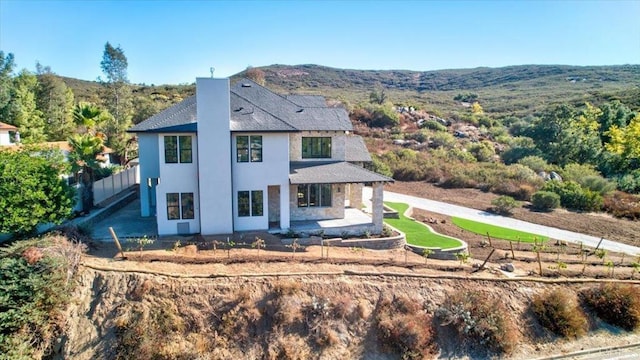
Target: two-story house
x=244, y=158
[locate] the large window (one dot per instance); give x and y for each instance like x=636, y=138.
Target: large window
x=314, y=195
x=249, y=148
x=180, y=206
x=250, y=203
x=316, y=147
x=178, y=149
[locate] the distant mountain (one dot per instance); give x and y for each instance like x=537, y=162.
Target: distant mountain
x=513, y=90
x=312, y=76
x=516, y=90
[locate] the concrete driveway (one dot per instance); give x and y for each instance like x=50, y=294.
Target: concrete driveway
x=126, y=222
x=493, y=219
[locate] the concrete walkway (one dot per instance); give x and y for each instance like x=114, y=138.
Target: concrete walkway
x=493, y=219
x=125, y=222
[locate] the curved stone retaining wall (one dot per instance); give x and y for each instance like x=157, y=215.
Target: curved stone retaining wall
x=393, y=242
x=438, y=253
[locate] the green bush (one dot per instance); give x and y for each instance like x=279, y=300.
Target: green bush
x=559, y=313
x=598, y=184
x=545, y=200
x=535, y=163
x=433, y=125
x=504, y=204
x=35, y=283
x=482, y=151
x=480, y=319
x=574, y=196
x=630, y=182
x=617, y=304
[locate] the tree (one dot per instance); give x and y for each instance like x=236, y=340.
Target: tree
x=85, y=148
x=6, y=83
x=378, y=97
x=31, y=190
x=256, y=75
x=118, y=100
x=625, y=142
x=23, y=111
x=83, y=157
x=55, y=100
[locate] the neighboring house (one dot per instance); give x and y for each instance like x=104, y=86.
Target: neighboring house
x=103, y=157
x=244, y=158
x=5, y=136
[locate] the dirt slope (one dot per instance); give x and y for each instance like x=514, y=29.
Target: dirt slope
x=120, y=314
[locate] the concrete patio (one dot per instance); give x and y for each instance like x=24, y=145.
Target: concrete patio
x=355, y=222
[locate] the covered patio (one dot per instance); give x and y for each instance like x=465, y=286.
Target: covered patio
x=348, y=179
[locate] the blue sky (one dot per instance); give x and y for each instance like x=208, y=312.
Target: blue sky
x=168, y=42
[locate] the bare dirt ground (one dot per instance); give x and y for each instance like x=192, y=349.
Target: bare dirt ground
x=595, y=224
x=193, y=259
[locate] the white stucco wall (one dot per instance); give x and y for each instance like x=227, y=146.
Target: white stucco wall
x=148, y=155
x=338, y=144
x=251, y=176
x=5, y=139
x=216, y=195
x=177, y=178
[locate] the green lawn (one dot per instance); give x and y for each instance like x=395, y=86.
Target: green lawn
x=497, y=232
x=417, y=233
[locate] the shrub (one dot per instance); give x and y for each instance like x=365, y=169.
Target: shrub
x=573, y=196
x=403, y=326
x=433, y=125
x=623, y=205
x=36, y=278
x=545, y=200
x=480, y=319
x=630, y=182
x=535, y=163
x=558, y=312
x=482, y=151
x=597, y=184
x=617, y=304
x=504, y=204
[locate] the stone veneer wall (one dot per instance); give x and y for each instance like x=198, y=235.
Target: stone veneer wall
x=336, y=211
x=338, y=145
x=393, y=242
x=355, y=195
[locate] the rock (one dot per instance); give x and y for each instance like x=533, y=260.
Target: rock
x=508, y=267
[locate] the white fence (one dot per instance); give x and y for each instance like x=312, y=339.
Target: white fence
x=116, y=183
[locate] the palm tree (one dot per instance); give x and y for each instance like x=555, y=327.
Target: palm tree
x=88, y=116
x=84, y=161
x=85, y=147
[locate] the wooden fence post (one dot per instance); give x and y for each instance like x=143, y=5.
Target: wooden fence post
x=115, y=239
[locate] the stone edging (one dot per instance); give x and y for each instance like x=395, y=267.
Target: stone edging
x=438, y=253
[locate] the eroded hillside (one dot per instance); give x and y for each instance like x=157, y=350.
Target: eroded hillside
x=130, y=315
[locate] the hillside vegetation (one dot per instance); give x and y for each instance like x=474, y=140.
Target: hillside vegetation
x=512, y=90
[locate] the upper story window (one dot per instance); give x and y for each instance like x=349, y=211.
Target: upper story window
x=316, y=147
x=249, y=148
x=178, y=149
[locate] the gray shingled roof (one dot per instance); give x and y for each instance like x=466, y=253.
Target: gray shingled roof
x=356, y=149
x=331, y=173
x=308, y=100
x=179, y=117
x=301, y=118
x=254, y=108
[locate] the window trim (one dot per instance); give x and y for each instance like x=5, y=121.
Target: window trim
x=252, y=145
x=180, y=206
x=305, y=200
x=254, y=203
x=320, y=143
x=178, y=151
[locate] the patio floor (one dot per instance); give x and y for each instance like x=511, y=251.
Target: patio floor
x=352, y=217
